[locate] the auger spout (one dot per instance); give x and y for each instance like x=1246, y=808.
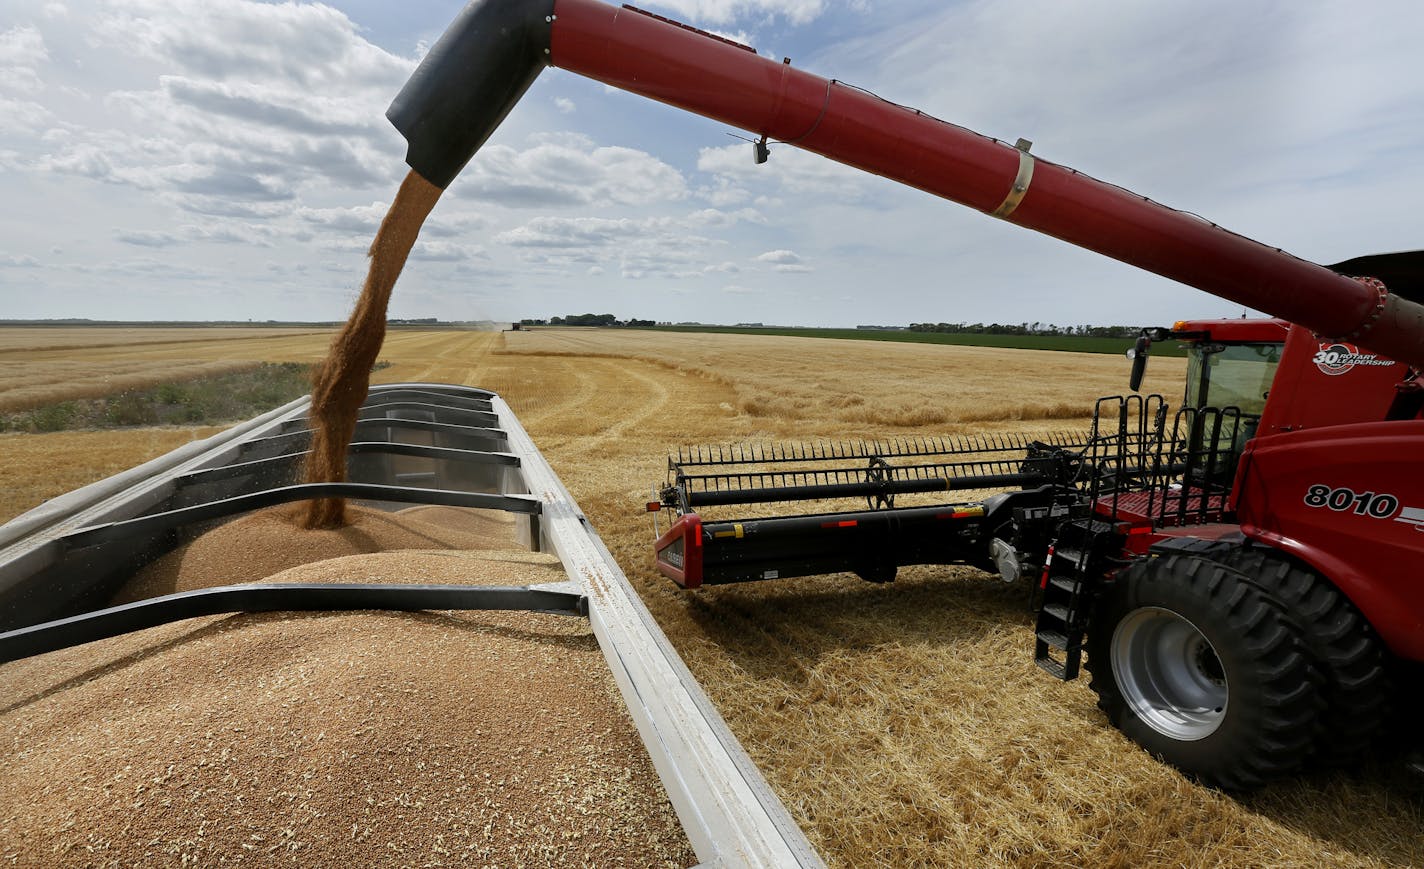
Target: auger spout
x=468, y=82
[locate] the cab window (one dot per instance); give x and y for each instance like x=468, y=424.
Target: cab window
x=1231, y=375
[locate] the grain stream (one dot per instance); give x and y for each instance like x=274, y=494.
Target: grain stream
x=340, y=384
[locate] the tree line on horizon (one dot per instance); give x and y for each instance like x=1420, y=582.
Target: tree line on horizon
x=1047, y=329
x=588, y=320
x=1036, y=328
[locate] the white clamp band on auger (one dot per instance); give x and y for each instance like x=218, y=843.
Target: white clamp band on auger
x=1021, y=181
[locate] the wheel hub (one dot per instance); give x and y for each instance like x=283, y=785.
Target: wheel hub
x=1169, y=674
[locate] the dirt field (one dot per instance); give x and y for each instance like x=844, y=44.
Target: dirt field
x=903, y=725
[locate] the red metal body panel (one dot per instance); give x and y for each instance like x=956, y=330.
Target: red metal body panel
x=678, y=552
x=1348, y=501
x=631, y=50
x=1141, y=537
x=1238, y=331
x=1325, y=383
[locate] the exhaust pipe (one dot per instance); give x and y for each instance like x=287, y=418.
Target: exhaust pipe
x=493, y=51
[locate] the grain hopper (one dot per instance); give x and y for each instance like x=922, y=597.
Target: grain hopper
x=416, y=443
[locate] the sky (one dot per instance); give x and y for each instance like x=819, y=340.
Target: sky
x=231, y=160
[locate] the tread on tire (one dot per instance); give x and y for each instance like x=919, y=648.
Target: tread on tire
x=1268, y=721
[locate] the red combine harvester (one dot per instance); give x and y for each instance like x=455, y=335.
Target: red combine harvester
x=1244, y=573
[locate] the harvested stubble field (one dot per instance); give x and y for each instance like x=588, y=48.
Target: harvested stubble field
x=905, y=724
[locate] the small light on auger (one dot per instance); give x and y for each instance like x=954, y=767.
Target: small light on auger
x=654, y=506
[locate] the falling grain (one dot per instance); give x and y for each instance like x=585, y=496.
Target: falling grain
x=340, y=384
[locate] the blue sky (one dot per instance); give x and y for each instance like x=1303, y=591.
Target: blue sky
x=230, y=159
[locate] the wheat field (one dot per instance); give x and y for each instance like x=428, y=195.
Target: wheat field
x=46, y=365
x=901, y=724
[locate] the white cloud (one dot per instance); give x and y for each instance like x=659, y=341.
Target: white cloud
x=257, y=122
x=262, y=105
x=230, y=232
x=564, y=105
x=23, y=116
x=22, y=46
x=21, y=261
x=254, y=103
x=358, y=219
x=784, y=261
x=363, y=220
x=147, y=238
x=726, y=11
x=790, y=171
x=569, y=172
x=22, y=50
x=85, y=160
x=712, y=217
x=738, y=36
x=641, y=248
x=724, y=191
x=567, y=232
x=445, y=251
x=308, y=46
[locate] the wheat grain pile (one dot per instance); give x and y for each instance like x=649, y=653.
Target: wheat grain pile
x=333, y=739
x=259, y=545
x=902, y=725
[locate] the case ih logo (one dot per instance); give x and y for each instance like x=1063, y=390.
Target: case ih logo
x=1337, y=358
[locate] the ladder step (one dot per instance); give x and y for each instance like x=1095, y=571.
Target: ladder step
x=1055, y=640
x=1068, y=554
x=1066, y=669
x=1052, y=668
x=1058, y=611
x=1064, y=583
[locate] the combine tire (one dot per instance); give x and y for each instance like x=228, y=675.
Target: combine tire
x=1204, y=669
x=1343, y=646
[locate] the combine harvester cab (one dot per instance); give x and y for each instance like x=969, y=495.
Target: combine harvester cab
x=415, y=443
